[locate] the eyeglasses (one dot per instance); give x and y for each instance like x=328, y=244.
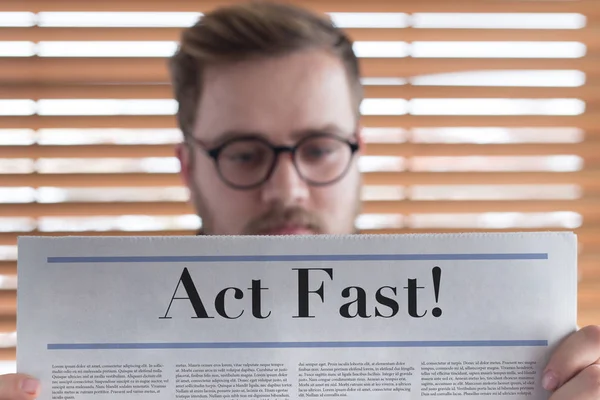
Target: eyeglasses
x=247, y=162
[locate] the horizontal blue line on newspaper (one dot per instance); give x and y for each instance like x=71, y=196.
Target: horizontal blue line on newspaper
x=301, y=257
x=295, y=345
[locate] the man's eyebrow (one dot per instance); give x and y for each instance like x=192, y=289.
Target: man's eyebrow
x=330, y=128
x=295, y=135
x=234, y=134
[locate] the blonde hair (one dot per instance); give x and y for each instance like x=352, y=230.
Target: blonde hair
x=252, y=30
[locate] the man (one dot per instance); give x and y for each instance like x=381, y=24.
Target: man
x=268, y=76
x=269, y=101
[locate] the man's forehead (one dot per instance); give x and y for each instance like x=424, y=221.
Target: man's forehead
x=292, y=136
x=303, y=63
x=286, y=97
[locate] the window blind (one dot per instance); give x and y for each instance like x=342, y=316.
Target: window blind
x=480, y=116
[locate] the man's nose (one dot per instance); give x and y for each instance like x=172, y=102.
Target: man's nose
x=285, y=184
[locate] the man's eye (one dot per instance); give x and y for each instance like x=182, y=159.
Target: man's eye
x=244, y=157
x=241, y=157
x=318, y=151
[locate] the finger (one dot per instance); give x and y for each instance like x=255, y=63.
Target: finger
x=585, y=386
x=578, y=351
x=18, y=387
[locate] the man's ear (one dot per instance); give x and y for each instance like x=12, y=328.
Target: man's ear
x=360, y=138
x=182, y=151
x=184, y=154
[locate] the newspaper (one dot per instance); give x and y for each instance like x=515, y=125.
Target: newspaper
x=354, y=317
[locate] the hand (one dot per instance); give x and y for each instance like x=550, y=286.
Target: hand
x=573, y=372
x=18, y=387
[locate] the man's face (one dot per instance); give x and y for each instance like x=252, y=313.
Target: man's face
x=282, y=100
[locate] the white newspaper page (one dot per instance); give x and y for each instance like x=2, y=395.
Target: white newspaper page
x=354, y=317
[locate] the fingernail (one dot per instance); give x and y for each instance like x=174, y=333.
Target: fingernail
x=550, y=381
x=30, y=386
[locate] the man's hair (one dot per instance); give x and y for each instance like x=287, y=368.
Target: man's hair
x=249, y=31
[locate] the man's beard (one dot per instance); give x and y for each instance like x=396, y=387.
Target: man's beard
x=277, y=217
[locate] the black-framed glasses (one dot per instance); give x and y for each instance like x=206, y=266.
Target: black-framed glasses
x=248, y=162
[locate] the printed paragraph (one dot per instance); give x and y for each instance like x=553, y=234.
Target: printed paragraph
x=74, y=381
x=342, y=379
x=478, y=378
x=232, y=381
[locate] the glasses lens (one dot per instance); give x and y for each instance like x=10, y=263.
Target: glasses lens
x=245, y=162
x=323, y=159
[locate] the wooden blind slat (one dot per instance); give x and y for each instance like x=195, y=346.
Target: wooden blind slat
x=37, y=210
x=8, y=267
x=88, y=151
x=589, y=299
x=589, y=92
x=588, y=7
x=587, y=309
x=585, y=121
x=588, y=316
x=588, y=150
x=8, y=302
x=585, y=206
x=91, y=180
x=407, y=67
x=587, y=287
x=85, y=122
x=588, y=262
x=7, y=324
x=590, y=35
x=154, y=69
x=588, y=179
x=8, y=353
x=119, y=91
